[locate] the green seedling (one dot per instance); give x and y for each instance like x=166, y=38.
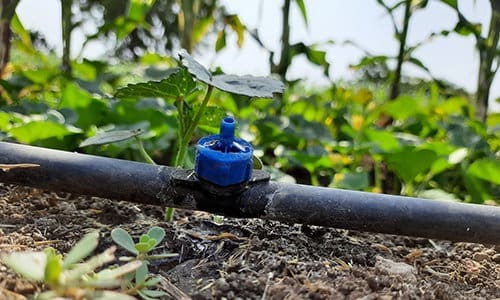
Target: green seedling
x=67, y=277
x=180, y=85
x=142, y=281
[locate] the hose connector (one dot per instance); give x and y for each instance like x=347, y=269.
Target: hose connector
x=223, y=159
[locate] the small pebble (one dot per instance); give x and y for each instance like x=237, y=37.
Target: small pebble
x=223, y=285
x=496, y=258
x=481, y=256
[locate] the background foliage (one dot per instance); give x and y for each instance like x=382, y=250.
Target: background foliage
x=382, y=132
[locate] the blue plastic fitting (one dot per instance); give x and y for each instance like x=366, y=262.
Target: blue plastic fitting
x=224, y=159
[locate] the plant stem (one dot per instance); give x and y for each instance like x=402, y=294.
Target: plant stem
x=188, y=134
x=185, y=135
x=284, y=63
x=143, y=152
x=7, y=11
x=194, y=123
x=67, y=28
x=409, y=189
x=377, y=173
x=487, y=49
x=402, y=49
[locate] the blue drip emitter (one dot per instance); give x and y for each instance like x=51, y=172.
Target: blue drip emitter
x=223, y=159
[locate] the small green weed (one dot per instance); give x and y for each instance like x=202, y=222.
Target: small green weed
x=142, y=281
x=66, y=277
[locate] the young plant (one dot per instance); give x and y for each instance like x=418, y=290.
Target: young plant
x=67, y=277
x=142, y=281
x=181, y=87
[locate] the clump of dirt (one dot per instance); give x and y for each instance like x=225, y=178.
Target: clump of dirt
x=252, y=259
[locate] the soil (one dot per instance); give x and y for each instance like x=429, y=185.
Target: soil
x=251, y=259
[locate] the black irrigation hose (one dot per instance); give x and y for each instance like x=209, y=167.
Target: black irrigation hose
x=290, y=203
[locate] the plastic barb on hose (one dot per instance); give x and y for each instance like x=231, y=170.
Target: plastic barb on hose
x=224, y=159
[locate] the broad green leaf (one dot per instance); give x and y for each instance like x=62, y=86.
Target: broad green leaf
x=453, y=105
x=308, y=161
x=144, y=296
x=75, y=273
x=153, y=281
x=487, y=169
x=317, y=57
x=478, y=189
x=154, y=293
x=90, y=110
x=110, y=295
x=410, y=162
x=141, y=274
x=41, y=76
x=201, y=29
x=138, y=9
x=437, y=194
x=417, y=62
x=354, y=181
x=210, y=121
x=23, y=34
x=144, y=238
x=385, y=140
x=110, y=137
x=115, y=273
x=30, y=265
x=246, y=85
x=235, y=23
x=303, y=11
x=54, y=266
x=4, y=121
x=452, y=3
x=84, y=70
x=40, y=130
x=177, y=84
x=151, y=244
x=123, y=239
x=369, y=61
x=405, y=107
x=156, y=233
x=220, y=43
x=143, y=247
x=195, y=68
x=257, y=163
x=465, y=27
x=440, y=165
x=458, y=156
x=81, y=249
x=463, y=135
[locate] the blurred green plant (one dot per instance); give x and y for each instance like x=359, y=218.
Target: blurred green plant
x=67, y=277
x=488, y=48
x=141, y=281
x=180, y=86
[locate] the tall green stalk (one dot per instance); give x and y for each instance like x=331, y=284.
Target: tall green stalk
x=7, y=11
x=402, y=37
x=67, y=28
x=185, y=134
x=488, y=52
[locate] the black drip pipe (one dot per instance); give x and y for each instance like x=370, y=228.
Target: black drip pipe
x=290, y=203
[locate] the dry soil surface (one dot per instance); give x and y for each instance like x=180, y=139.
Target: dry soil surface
x=252, y=259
